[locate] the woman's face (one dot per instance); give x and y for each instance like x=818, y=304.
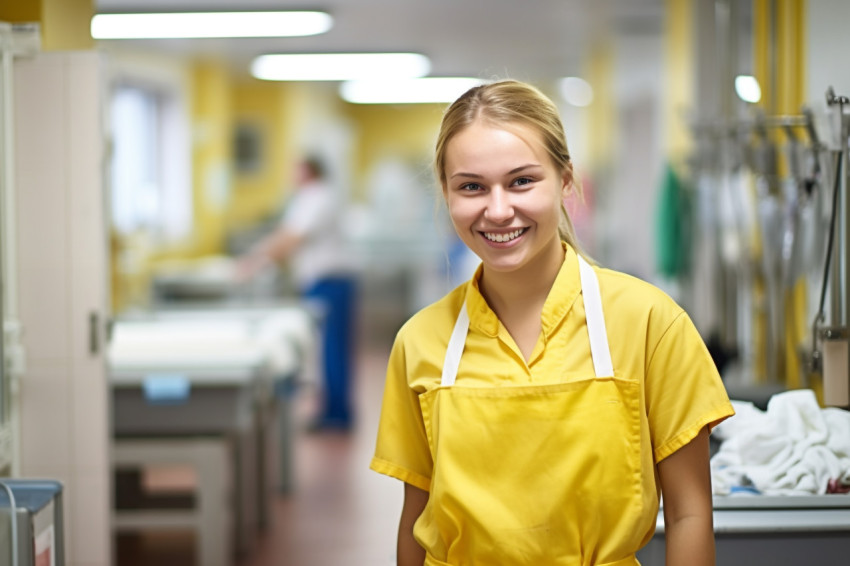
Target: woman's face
x=504, y=196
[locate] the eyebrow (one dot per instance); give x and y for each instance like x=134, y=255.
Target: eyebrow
x=513, y=171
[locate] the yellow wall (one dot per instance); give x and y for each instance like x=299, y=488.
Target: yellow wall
x=65, y=24
x=406, y=132
x=21, y=11
x=263, y=107
x=286, y=112
x=211, y=154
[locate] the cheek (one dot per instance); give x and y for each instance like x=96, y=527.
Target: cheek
x=543, y=208
x=459, y=211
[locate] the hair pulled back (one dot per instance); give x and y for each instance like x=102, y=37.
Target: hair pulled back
x=505, y=103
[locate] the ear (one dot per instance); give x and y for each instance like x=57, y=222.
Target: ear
x=567, y=180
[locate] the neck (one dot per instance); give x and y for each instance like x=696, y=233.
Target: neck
x=525, y=290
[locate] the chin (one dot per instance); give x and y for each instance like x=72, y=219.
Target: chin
x=505, y=266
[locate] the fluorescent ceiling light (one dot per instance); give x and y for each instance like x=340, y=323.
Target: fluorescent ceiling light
x=339, y=66
x=576, y=91
x=748, y=88
x=407, y=91
x=209, y=24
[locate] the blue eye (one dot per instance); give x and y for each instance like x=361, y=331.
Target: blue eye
x=523, y=181
x=470, y=187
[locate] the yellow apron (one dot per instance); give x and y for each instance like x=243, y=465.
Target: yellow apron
x=537, y=475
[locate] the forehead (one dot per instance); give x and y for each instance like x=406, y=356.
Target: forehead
x=483, y=140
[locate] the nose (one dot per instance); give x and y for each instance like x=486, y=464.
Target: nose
x=499, y=208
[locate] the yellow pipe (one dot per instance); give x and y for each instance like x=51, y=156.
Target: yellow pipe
x=779, y=56
x=679, y=51
x=790, y=47
x=762, y=14
x=600, y=70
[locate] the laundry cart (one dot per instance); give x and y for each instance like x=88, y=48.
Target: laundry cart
x=185, y=400
x=775, y=530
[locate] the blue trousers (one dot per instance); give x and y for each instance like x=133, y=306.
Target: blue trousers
x=337, y=295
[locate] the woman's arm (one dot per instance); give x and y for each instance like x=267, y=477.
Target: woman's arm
x=686, y=489
x=409, y=551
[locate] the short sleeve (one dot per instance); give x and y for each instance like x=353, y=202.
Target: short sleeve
x=684, y=392
x=402, y=448
x=311, y=211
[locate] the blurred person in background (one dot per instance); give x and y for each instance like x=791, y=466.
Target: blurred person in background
x=535, y=412
x=309, y=238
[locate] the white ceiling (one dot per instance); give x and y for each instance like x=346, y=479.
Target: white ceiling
x=530, y=40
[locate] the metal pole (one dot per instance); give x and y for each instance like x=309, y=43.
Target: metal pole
x=836, y=341
x=5, y=212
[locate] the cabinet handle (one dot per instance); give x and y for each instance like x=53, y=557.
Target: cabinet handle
x=94, y=342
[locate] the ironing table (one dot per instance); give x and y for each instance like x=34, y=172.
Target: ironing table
x=776, y=530
x=198, y=388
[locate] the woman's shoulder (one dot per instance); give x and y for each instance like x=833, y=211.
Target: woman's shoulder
x=436, y=319
x=622, y=292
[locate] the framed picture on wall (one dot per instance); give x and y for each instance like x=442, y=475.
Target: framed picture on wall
x=247, y=148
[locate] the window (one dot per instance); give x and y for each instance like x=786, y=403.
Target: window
x=149, y=174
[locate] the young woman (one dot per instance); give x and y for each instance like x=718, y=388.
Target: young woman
x=534, y=412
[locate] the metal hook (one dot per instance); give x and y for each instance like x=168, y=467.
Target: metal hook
x=832, y=98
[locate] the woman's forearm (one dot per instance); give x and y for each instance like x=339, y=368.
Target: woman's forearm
x=409, y=552
x=690, y=541
x=688, y=514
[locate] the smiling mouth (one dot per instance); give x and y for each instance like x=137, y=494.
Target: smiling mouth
x=507, y=237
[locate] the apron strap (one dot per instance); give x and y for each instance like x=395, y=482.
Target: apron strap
x=455, y=349
x=599, y=350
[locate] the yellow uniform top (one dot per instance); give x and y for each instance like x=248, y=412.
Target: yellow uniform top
x=651, y=338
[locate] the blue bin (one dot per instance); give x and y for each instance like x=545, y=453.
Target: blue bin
x=38, y=512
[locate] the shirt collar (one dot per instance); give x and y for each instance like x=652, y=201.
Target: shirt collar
x=565, y=291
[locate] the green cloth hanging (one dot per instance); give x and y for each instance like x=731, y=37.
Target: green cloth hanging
x=673, y=225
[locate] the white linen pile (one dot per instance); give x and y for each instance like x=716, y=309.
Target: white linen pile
x=793, y=448
x=291, y=341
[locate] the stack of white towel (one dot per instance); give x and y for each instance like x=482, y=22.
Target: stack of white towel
x=793, y=448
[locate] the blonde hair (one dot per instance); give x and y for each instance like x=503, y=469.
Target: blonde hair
x=510, y=102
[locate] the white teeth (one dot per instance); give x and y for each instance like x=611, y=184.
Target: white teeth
x=501, y=238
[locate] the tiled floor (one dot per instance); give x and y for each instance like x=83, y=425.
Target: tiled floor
x=339, y=512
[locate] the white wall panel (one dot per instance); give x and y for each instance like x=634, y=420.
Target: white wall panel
x=64, y=413
x=827, y=49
